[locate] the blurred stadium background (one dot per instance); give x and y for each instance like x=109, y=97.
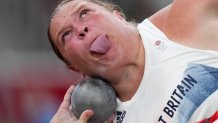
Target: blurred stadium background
x=32, y=79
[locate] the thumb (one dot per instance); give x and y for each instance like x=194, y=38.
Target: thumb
x=85, y=116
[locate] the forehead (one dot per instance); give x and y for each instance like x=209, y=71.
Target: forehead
x=65, y=11
x=72, y=7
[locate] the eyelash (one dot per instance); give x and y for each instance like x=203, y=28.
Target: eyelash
x=64, y=35
x=84, y=12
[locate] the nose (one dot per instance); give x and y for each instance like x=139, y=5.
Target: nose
x=82, y=31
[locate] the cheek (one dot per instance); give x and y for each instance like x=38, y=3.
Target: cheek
x=73, y=44
x=72, y=49
x=100, y=18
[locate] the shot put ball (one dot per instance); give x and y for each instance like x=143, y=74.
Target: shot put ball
x=97, y=95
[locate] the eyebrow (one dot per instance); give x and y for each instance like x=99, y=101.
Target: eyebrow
x=78, y=8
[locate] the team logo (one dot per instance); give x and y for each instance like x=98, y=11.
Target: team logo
x=157, y=43
x=120, y=116
x=160, y=45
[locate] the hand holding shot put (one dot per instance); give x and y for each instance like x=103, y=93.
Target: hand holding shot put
x=65, y=114
x=91, y=95
x=97, y=95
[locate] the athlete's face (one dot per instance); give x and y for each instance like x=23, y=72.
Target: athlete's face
x=90, y=37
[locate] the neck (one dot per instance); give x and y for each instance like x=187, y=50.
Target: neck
x=132, y=75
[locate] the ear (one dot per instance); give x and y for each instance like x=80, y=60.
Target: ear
x=118, y=15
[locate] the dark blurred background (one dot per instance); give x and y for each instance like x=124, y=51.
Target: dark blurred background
x=32, y=79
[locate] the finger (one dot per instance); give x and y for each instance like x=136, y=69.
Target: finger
x=85, y=116
x=66, y=101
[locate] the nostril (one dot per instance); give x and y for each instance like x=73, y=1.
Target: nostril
x=86, y=29
x=81, y=34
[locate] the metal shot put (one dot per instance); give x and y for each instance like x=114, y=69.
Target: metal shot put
x=94, y=94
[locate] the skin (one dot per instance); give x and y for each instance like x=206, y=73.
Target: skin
x=123, y=65
x=195, y=24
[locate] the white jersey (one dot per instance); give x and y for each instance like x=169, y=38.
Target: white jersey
x=180, y=84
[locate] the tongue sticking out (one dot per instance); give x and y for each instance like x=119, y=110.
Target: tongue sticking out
x=101, y=45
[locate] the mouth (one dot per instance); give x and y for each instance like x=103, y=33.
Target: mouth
x=100, y=46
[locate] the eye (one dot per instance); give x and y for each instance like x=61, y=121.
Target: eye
x=65, y=36
x=84, y=13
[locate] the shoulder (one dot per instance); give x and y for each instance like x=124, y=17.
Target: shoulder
x=188, y=24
